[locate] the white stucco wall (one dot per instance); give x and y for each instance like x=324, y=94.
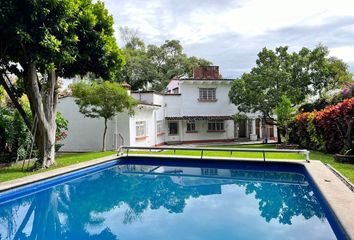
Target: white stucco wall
x=190, y=106
x=84, y=134
x=143, y=113
x=203, y=134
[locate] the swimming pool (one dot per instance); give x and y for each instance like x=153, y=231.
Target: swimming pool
x=136, y=198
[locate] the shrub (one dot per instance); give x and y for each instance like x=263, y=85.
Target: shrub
x=327, y=130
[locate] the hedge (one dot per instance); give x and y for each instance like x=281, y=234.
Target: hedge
x=324, y=130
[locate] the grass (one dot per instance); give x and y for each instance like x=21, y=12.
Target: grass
x=15, y=171
x=346, y=169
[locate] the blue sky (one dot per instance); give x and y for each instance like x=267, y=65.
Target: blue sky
x=230, y=33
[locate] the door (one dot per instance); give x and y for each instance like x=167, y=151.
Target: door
x=173, y=131
x=242, y=128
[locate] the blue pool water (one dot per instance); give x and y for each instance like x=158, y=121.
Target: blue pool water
x=162, y=199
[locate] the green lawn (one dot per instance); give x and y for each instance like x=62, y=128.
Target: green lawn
x=13, y=172
x=347, y=170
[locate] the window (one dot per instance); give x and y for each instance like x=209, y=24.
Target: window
x=216, y=126
x=207, y=94
x=191, y=126
x=140, y=128
x=173, y=128
x=159, y=127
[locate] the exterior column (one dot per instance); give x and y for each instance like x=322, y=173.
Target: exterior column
x=275, y=131
x=260, y=128
x=253, y=135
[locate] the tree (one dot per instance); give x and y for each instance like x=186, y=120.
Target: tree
x=152, y=66
x=102, y=100
x=284, y=113
x=44, y=40
x=280, y=73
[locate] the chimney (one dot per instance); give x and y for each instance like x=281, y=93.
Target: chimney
x=206, y=72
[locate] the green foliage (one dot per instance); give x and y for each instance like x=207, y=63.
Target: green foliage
x=45, y=39
x=240, y=117
x=327, y=100
x=13, y=131
x=317, y=140
x=285, y=113
x=102, y=100
x=347, y=170
x=330, y=129
x=280, y=73
x=154, y=66
x=62, y=127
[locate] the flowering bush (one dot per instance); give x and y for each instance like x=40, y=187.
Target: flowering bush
x=60, y=136
x=329, y=129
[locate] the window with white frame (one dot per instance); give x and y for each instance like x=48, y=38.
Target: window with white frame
x=216, y=126
x=159, y=127
x=140, y=128
x=207, y=94
x=191, y=126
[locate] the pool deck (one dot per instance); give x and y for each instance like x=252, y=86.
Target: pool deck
x=338, y=196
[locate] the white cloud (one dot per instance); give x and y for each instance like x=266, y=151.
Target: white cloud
x=344, y=53
x=224, y=29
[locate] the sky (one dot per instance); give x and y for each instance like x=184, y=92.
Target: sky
x=230, y=33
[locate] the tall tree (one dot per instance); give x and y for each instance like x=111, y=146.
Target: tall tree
x=46, y=39
x=294, y=75
x=103, y=100
x=153, y=66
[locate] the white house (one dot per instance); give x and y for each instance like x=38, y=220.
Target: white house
x=194, y=110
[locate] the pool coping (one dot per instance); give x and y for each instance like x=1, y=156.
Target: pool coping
x=337, y=195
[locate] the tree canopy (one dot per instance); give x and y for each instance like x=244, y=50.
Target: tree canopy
x=47, y=39
x=295, y=75
x=103, y=100
x=153, y=66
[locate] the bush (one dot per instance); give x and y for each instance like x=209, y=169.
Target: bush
x=347, y=92
x=325, y=130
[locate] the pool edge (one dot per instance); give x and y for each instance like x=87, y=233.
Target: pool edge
x=337, y=195
x=339, y=198
x=11, y=184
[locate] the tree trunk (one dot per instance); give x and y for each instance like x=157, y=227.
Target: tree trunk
x=104, y=135
x=43, y=101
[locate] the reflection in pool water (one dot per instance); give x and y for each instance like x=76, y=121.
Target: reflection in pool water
x=167, y=202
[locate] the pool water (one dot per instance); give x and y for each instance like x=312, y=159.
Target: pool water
x=147, y=199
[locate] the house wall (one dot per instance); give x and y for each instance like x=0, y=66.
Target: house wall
x=122, y=128
x=189, y=105
x=84, y=134
x=173, y=84
x=203, y=134
x=143, y=114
